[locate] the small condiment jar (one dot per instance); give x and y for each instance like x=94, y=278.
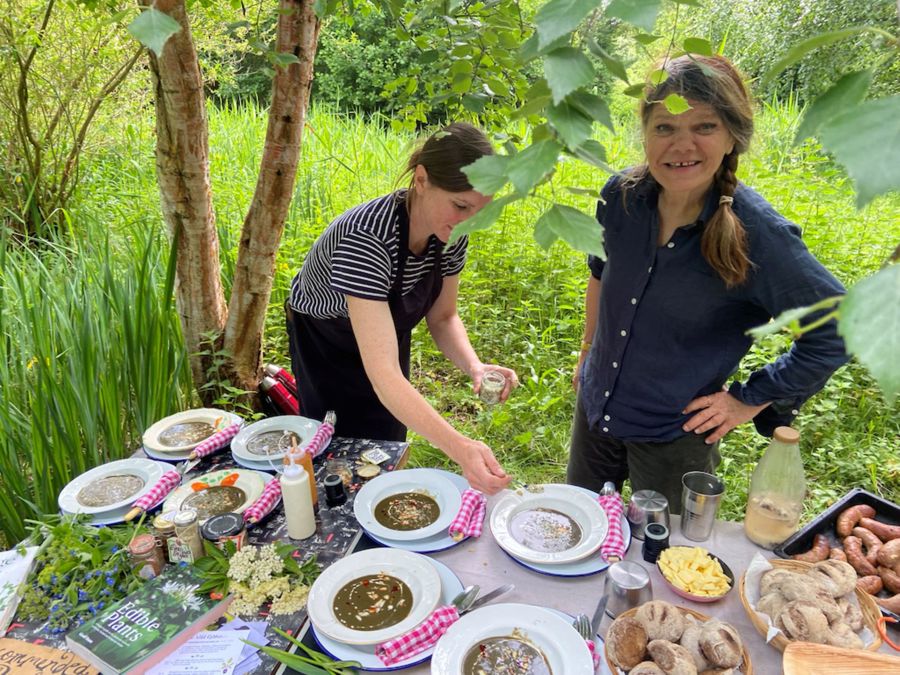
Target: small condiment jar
x=186, y=545
x=146, y=557
x=225, y=527
x=492, y=384
x=335, y=494
x=164, y=529
x=656, y=540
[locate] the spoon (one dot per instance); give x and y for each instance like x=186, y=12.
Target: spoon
x=465, y=598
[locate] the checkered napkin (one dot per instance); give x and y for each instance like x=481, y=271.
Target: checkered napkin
x=264, y=503
x=166, y=483
x=216, y=442
x=595, y=655
x=469, y=520
x=320, y=439
x=614, y=544
x=420, y=638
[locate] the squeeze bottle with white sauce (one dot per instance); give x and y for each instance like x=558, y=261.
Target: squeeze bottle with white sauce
x=298, y=506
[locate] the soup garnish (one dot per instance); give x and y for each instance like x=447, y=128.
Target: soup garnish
x=109, y=490
x=185, y=433
x=407, y=511
x=214, y=500
x=373, y=602
x=545, y=530
x=505, y=655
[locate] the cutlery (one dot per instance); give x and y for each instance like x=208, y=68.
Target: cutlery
x=465, y=598
x=583, y=625
x=487, y=597
x=598, y=614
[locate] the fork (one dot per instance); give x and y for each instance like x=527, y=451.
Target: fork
x=582, y=624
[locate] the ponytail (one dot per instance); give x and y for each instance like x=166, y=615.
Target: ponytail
x=724, y=241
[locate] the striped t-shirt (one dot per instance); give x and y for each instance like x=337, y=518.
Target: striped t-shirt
x=357, y=255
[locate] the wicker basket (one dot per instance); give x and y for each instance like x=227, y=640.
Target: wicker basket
x=867, y=606
x=746, y=666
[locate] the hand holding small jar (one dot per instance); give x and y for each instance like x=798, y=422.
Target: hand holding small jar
x=493, y=383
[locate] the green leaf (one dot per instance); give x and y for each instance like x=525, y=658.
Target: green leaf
x=566, y=70
x=676, y=104
x=475, y=103
x=530, y=166
x=866, y=140
x=530, y=49
x=640, y=13
x=587, y=192
x=283, y=59
x=560, y=17
x=635, y=90
x=694, y=45
x=647, y=39
x=788, y=320
x=845, y=93
x=612, y=64
x=484, y=218
x=870, y=325
x=800, y=50
x=593, y=153
x=593, y=106
x=153, y=29
x=488, y=174
x=657, y=77
x=570, y=123
x=544, y=234
x=576, y=228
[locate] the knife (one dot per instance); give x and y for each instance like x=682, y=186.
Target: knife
x=598, y=613
x=487, y=597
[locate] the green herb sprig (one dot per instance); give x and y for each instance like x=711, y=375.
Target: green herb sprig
x=314, y=663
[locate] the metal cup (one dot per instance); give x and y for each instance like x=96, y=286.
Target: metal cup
x=700, y=499
x=628, y=585
x=645, y=507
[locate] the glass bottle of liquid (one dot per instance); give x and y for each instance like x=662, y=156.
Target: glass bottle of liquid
x=777, y=488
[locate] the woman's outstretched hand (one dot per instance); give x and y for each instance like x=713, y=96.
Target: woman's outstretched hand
x=480, y=467
x=719, y=413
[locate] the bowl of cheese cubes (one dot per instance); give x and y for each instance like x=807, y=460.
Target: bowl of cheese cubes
x=694, y=573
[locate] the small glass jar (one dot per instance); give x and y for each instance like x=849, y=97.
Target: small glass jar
x=492, y=385
x=146, y=556
x=340, y=467
x=164, y=529
x=225, y=527
x=335, y=494
x=186, y=545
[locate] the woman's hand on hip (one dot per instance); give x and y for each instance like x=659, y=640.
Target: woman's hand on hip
x=512, y=380
x=480, y=467
x=719, y=413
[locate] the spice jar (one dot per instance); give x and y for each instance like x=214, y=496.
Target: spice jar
x=186, y=545
x=225, y=527
x=146, y=557
x=164, y=528
x=492, y=384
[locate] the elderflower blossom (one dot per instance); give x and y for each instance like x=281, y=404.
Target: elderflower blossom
x=258, y=576
x=292, y=601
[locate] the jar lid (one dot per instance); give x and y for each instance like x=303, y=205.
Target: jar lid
x=786, y=435
x=164, y=522
x=656, y=531
x=222, y=525
x=185, y=517
x=141, y=544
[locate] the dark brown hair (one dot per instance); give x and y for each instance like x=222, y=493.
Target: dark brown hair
x=446, y=152
x=715, y=81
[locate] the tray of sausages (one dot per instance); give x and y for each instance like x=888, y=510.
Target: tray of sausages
x=863, y=529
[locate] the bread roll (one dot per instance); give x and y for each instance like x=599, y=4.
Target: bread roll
x=661, y=620
x=646, y=668
x=805, y=587
x=836, y=576
x=626, y=642
x=842, y=635
x=690, y=640
x=721, y=644
x=771, y=581
x=852, y=615
x=802, y=620
x=672, y=658
x=771, y=604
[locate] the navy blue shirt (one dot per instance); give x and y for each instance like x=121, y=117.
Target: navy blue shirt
x=669, y=330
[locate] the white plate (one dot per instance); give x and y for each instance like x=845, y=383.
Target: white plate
x=565, y=650
x=434, y=543
x=411, y=568
x=451, y=586
x=585, y=511
x=218, y=419
x=251, y=482
x=303, y=427
x=273, y=467
x=426, y=481
x=147, y=470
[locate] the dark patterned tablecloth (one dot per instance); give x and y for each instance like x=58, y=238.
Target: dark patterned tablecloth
x=336, y=533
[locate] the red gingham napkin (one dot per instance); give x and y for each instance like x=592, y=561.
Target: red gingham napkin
x=264, y=503
x=614, y=544
x=319, y=440
x=166, y=483
x=420, y=638
x=469, y=520
x=595, y=655
x=217, y=441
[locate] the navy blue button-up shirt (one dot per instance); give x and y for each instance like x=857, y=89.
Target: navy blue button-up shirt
x=669, y=330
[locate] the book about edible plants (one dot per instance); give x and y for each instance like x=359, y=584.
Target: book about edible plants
x=143, y=628
x=15, y=565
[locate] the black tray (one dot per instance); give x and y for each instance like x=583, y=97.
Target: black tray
x=802, y=540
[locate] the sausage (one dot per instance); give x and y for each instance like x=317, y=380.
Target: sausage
x=871, y=584
x=853, y=549
x=849, y=518
x=891, y=604
x=884, y=531
x=871, y=541
x=890, y=578
x=819, y=551
x=837, y=553
x=889, y=555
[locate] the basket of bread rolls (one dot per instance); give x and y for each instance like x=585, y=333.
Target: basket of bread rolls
x=659, y=638
x=812, y=602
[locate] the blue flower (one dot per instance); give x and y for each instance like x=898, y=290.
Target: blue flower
x=101, y=604
x=54, y=607
x=82, y=595
x=110, y=581
x=54, y=579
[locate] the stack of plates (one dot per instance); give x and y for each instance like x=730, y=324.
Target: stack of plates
x=172, y=438
x=263, y=445
x=430, y=583
x=554, y=529
x=441, y=489
x=107, y=492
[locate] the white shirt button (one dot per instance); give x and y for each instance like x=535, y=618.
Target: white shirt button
x=671, y=244
x=605, y=429
x=606, y=417
x=606, y=393
x=649, y=269
x=795, y=412
x=615, y=364
x=623, y=333
x=634, y=301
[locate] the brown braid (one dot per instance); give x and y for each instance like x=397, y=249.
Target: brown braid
x=724, y=242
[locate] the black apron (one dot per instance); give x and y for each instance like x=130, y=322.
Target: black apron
x=327, y=364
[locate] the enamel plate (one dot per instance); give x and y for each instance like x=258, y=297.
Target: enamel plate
x=270, y=439
x=562, y=647
x=522, y=523
x=414, y=570
x=427, y=481
x=154, y=439
x=135, y=477
x=250, y=483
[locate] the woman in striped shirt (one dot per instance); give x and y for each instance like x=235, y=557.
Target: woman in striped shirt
x=376, y=272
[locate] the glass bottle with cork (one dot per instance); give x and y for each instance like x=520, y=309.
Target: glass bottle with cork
x=777, y=488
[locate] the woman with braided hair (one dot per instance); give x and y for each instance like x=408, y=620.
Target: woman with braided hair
x=694, y=259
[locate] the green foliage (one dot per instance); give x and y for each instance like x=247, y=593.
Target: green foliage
x=152, y=29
